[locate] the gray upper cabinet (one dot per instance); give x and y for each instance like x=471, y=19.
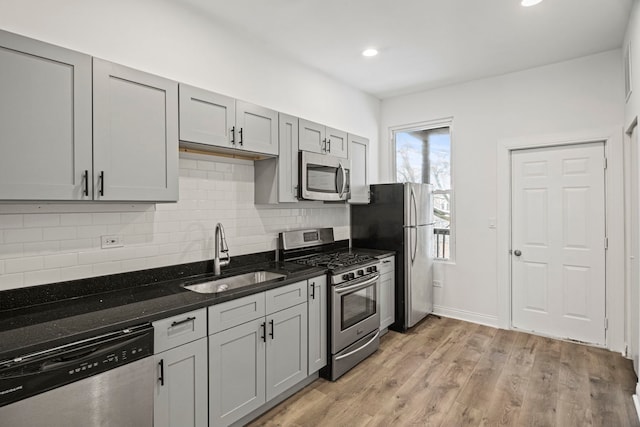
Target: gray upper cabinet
x=257, y=128
x=318, y=138
x=45, y=121
x=211, y=119
x=135, y=134
x=359, y=176
x=206, y=117
x=276, y=179
x=337, y=143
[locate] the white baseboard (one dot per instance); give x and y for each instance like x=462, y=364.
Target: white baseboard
x=469, y=316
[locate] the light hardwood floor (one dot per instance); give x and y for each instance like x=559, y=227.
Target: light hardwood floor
x=446, y=372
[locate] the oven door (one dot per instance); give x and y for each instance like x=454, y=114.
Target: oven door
x=356, y=311
x=323, y=177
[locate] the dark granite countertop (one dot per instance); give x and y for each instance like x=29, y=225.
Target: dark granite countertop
x=376, y=253
x=40, y=317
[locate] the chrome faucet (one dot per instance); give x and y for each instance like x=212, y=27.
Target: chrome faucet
x=220, y=246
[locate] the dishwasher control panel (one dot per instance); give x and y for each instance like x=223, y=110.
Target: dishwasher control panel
x=39, y=372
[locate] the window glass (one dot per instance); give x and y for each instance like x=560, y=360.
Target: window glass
x=424, y=155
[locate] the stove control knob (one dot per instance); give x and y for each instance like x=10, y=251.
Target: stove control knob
x=374, y=268
x=360, y=272
x=352, y=275
x=345, y=277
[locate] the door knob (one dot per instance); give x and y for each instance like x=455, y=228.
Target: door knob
x=517, y=252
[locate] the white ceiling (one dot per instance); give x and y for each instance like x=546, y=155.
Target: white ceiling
x=423, y=43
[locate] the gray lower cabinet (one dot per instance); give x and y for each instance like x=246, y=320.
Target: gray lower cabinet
x=236, y=372
x=387, y=292
x=258, y=357
x=180, y=398
x=317, y=323
x=286, y=356
x=135, y=134
x=45, y=121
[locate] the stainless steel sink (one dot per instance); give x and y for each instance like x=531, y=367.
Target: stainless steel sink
x=233, y=282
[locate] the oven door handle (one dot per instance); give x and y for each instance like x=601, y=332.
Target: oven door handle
x=357, y=286
x=359, y=348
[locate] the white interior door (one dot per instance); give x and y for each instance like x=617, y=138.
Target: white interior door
x=558, y=241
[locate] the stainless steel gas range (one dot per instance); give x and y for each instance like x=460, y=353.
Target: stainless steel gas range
x=354, y=307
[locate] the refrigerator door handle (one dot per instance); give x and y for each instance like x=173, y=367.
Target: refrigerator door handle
x=415, y=245
x=414, y=205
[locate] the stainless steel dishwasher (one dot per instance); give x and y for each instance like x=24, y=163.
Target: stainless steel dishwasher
x=103, y=381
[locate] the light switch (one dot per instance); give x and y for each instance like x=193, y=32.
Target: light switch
x=492, y=223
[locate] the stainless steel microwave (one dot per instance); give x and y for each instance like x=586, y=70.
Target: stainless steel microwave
x=323, y=177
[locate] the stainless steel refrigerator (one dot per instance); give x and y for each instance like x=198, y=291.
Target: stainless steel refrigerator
x=400, y=218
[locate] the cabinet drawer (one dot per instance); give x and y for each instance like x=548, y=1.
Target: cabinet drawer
x=232, y=313
x=180, y=329
x=387, y=264
x=286, y=296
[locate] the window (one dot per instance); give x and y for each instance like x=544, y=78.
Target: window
x=423, y=154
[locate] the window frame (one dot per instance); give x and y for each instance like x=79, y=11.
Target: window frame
x=430, y=125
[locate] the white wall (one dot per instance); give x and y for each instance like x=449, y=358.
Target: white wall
x=49, y=243
x=571, y=96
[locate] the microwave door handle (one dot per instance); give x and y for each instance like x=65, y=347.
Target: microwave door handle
x=344, y=180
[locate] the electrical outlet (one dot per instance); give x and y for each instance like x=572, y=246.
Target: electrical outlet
x=437, y=283
x=109, y=242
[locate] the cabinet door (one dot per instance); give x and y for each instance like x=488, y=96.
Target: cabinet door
x=206, y=117
x=288, y=159
x=337, y=143
x=359, y=175
x=181, y=388
x=317, y=335
x=45, y=121
x=236, y=372
x=312, y=136
x=387, y=299
x=135, y=134
x=257, y=128
x=286, y=349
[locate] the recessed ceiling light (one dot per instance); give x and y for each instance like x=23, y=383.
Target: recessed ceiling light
x=370, y=52
x=527, y=3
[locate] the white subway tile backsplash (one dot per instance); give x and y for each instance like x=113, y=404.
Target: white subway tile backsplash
x=23, y=235
x=86, y=231
x=106, y=218
x=61, y=260
x=60, y=233
x=38, y=248
x=76, y=219
x=11, y=221
x=41, y=220
x=20, y=265
x=11, y=281
x=33, y=278
x=76, y=272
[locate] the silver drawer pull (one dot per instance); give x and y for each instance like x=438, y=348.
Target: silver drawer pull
x=180, y=322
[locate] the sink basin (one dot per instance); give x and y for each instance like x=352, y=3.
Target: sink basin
x=233, y=282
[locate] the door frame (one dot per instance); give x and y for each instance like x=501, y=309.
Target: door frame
x=614, y=224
